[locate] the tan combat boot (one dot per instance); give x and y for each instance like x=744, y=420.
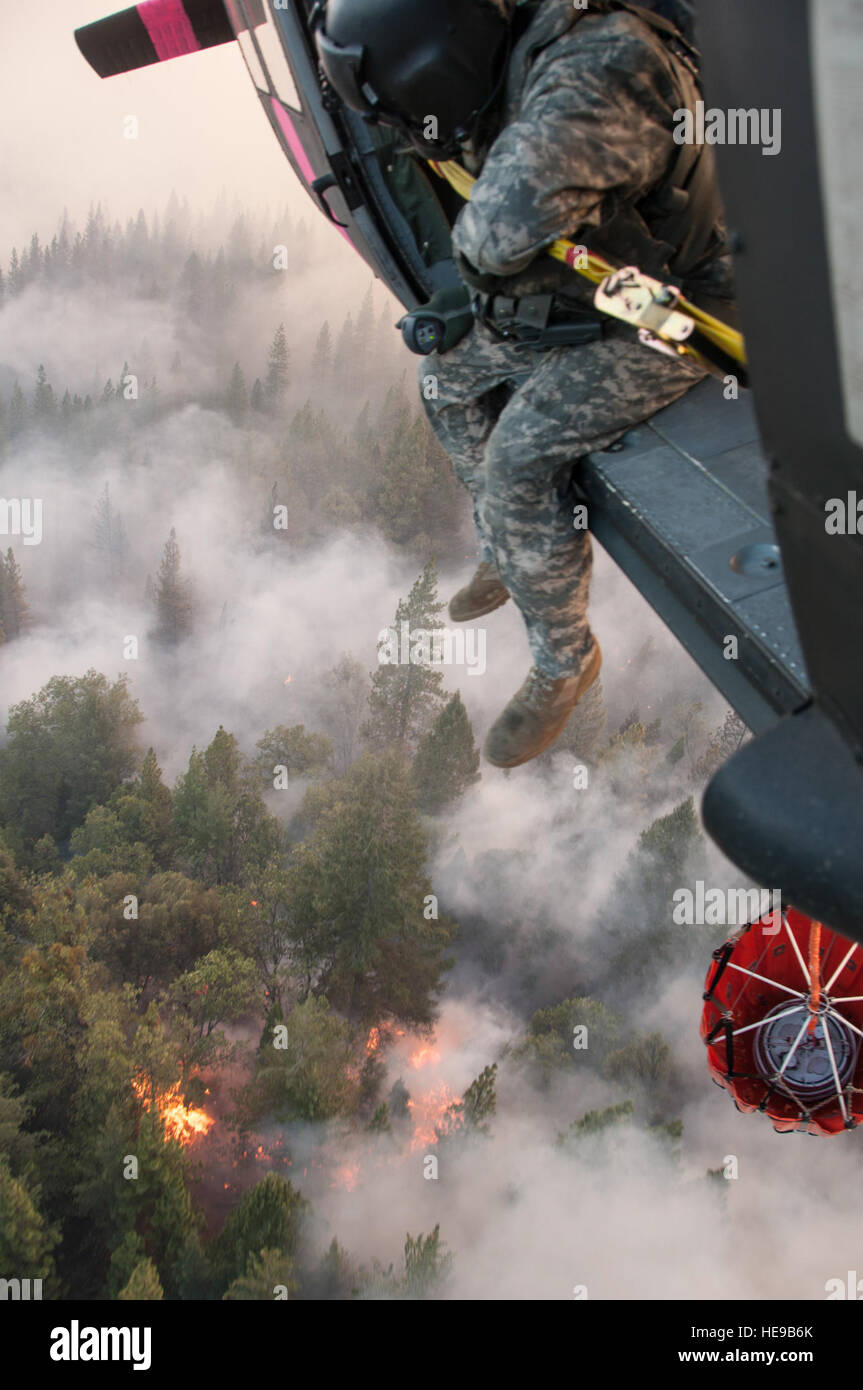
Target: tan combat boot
x=537, y=713
x=482, y=595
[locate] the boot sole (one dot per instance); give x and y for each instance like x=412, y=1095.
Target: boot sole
x=478, y=612
x=587, y=680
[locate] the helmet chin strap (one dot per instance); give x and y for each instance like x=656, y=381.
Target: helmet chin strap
x=466, y=135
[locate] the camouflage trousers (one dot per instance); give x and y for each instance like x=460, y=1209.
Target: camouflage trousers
x=514, y=423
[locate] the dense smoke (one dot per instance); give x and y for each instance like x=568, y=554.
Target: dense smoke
x=543, y=877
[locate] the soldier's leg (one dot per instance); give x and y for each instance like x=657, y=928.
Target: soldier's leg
x=576, y=400
x=464, y=392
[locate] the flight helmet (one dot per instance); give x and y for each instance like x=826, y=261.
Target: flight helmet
x=431, y=68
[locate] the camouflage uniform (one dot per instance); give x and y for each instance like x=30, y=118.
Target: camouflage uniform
x=586, y=130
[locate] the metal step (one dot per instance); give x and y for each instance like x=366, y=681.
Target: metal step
x=680, y=504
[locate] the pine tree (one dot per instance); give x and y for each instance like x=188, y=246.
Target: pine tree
x=221, y=289
x=268, y=1217
x=724, y=742
x=17, y=411
x=395, y=408
x=109, y=536
x=426, y=1264
x=15, y=284
x=36, y=256
x=26, y=1240
x=364, y=340
x=265, y=1272
x=342, y=705
x=323, y=354
x=278, y=363
x=358, y=887
x=44, y=405
x=406, y=695
x=144, y=1284
x=447, y=759
x=667, y=842
x=156, y=828
x=237, y=398
x=385, y=337
x=139, y=239
x=404, y=487
x=174, y=606
x=257, y=400
x=191, y=287
x=344, y=360
x=16, y=613
x=479, y=1102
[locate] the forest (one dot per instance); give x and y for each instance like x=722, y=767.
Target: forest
x=219, y=986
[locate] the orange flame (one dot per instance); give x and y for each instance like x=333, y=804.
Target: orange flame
x=432, y=1117
x=182, y=1122
x=424, y=1055
x=347, y=1176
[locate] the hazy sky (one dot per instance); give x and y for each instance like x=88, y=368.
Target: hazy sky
x=201, y=128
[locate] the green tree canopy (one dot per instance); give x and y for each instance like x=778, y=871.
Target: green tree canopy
x=175, y=609
x=267, y=1218
x=407, y=695
x=447, y=759
x=359, y=892
x=224, y=832
x=309, y=1079
x=68, y=748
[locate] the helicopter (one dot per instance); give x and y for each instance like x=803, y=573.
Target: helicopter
x=715, y=508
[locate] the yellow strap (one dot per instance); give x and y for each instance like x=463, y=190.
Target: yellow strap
x=595, y=269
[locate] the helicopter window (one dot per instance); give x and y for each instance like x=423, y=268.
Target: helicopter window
x=262, y=50
x=277, y=64
x=253, y=63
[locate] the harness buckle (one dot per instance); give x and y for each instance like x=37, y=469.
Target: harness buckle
x=646, y=304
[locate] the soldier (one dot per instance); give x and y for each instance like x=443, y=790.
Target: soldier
x=566, y=115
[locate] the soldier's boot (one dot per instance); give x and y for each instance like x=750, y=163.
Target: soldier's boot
x=482, y=595
x=536, y=714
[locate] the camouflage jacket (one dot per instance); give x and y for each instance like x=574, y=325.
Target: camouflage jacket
x=587, y=125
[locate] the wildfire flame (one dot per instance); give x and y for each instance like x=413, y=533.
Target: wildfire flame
x=182, y=1122
x=347, y=1176
x=381, y=1033
x=432, y=1117
x=424, y=1055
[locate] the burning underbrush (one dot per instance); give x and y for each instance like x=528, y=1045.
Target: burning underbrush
x=419, y=1082
x=181, y=1121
